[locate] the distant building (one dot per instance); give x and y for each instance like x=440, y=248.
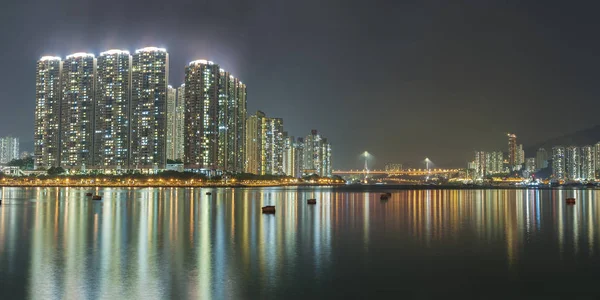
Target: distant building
x=112, y=119
x=530, y=166
x=289, y=157
x=317, y=154
x=496, y=163
x=231, y=122
x=299, y=157
x=178, y=139
x=588, y=168
x=597, y=156
x=272, y=147
x=541, y=159
x=77, y=111
x=480, y=164
x=9, y=149
x=573, y=163
x=512, y=151
x=558, y=163
x=254, y=142
x=149, y=78
x=47, y=112
x=171, y=123
x=520, y=155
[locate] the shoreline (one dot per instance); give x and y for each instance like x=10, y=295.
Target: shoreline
x=309, y=185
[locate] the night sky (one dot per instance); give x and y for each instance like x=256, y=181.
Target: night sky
x=401, y=79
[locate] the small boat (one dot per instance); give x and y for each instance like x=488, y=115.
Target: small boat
x=89, y=194
x=268, y=209
x=570, y=200
x=209, y=193
x=384, y=196
x=96, y=197
x=311, y=201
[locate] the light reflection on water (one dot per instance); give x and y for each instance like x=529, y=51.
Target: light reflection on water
x=182, y=243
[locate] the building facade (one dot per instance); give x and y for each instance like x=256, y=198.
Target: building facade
x=512, y=151
x=572, y=163
x=299, y=157
x=171, y=125
x=201, y=104
x=272, y=147
x=541, y=159
x=588, y=166
x=9, y=149
x=180, y=124
x=558, y=163
x=254, y=142
x=231, y=123
x=149, y=77
x=112, y=120
x=46, y=138
x=77, y=111
x=289, y=157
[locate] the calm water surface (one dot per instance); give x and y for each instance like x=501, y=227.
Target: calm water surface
x=180, y=243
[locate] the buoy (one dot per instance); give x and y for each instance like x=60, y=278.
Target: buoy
x=268, y=209
x=209, y=193
x=384, y=197
x=570, y=200
x=89, y=194
x=311, y=201
x=97, y=197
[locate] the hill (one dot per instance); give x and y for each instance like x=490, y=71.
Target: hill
x=588, y=136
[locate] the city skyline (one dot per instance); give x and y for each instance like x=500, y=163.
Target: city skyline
x=293, y=71
x=118, y=113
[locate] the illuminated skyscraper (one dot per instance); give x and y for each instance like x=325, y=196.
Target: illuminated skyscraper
x=180, y=123
x=272, y=147
x=77, y=111
x=512, y=151
x=201, y=104
x=112, y=96
x=597, y=156
x=254, y=142
x=529, y=166
x=326, y=159
x=47, y=112
x=149, y=77
x=317, y=155
x=520, y=155
x=588, y=171
x=541, y=159
x=312, y=153
x=171, y=123
x=289, y=157
x=231, y=122
x=558, y=163
x=496, y=163
x=9, y=149
x=298, y=157
x=480, y=164
x=573, y=163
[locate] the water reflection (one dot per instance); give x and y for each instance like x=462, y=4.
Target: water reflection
x=182, y=243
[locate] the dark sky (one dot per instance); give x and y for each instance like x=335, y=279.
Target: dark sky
x=401, y=79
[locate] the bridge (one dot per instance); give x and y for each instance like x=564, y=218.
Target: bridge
x=408, y=172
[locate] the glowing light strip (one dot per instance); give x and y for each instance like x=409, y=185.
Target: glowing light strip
x=80, y=54
x=48, y=57
x=114, y=51
x=151, y=49
x=201, y=61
